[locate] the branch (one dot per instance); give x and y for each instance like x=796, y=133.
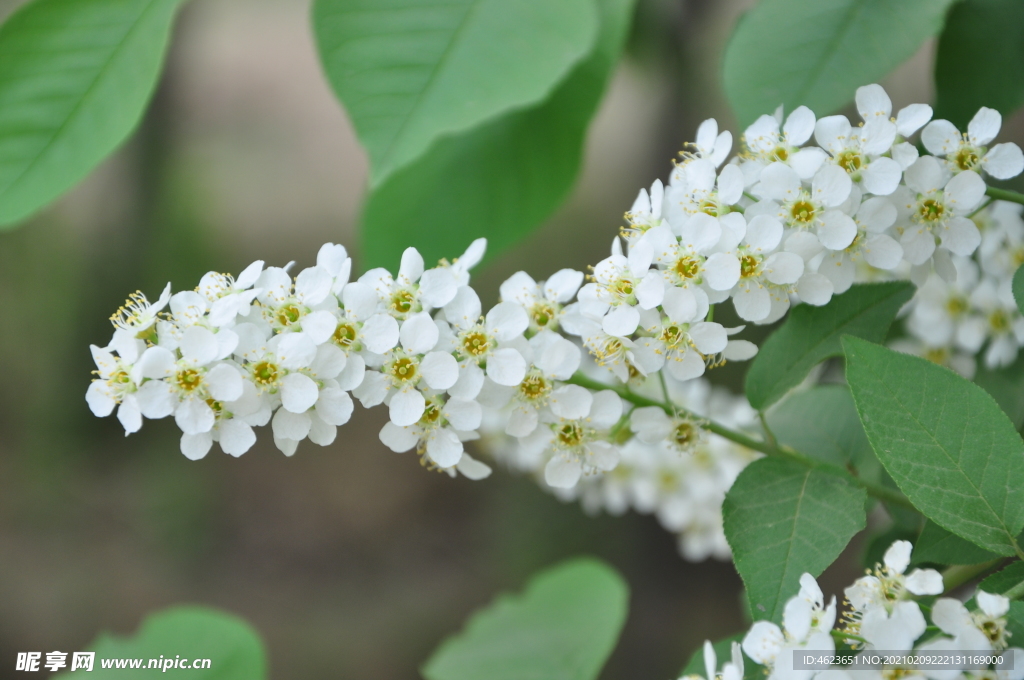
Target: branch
x=1004, y=195
x=875, y=490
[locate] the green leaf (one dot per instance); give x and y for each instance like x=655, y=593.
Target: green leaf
x=75, y=78
x=944, y=441
x=976, y=58
x=822, y=423
x=412, y=71
x=1015, y=620
x=937, y=545
x=501, y=179
x=1006, y=385
x=811, y=334
x=723, y=653
x=783, y=519
x=817, y=52
x=233, y=647
x=1018, y=288
x=562, y=627
x=1002, y=581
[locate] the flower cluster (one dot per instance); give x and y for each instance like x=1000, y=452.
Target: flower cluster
x=882, y=615
x=669, y=465
x=234, y=354
x=551, y=374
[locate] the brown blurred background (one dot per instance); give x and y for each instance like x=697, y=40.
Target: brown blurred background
x=351, y=561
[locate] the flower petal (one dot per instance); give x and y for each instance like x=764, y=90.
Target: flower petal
x=298, y=393
x=407, y=406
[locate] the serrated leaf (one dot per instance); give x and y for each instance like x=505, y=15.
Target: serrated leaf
x=1003, y=580
x=1006, y=385
x=562, y=627
x=783, y=519
x=233, y=647
x=1018, y=288
x=412, y=71
x=500, y=180
x=980, y=39
x=944, y=441
x=822, y=423
x=75, y=78
x=812, y=334
x=817, y=52
x=935, y=544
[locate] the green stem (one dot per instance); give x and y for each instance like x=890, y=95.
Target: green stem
x=840, y=636
x=876, y=490
x=1005, y=195
x=959, y=574
x=768, y=434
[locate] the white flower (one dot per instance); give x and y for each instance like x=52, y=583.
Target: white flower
x=767, y=276
x=138, y=314
x=406, y=372
x=766, y=143
x=683, y=261
x=288, y=306
x=983, y=631
x=184, y=386
x=618, y=354
x=232, y=427
x=229, y=297
x=859, y=151
x=874, y=104
x=438, y=433
x=805, y=625
x=682, y=341
x=330, y=407
x=696, y=189
x=620, y=284
x=968, y=151
x=542, y=301
x=646, y=211
x=359, y=326
x=1002, y=239
x=897, y=628
x=814, y=210
x=575, y=440
x=439, y=285
x=938, y=209
x=710, y=144
x=940, y=308
x=880, y=594
x=995, y=318
x=731, y=670
x=652, y=425
x=478, y=340
x=334, y=259
x=553, y=358
x=872, y=245
x=118, y=381
x=399, y=295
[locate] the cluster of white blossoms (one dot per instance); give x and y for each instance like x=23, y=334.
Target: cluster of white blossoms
x=669, y=466
x=882, y=614
x=551, y=375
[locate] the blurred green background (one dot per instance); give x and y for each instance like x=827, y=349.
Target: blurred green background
x=350, y=560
